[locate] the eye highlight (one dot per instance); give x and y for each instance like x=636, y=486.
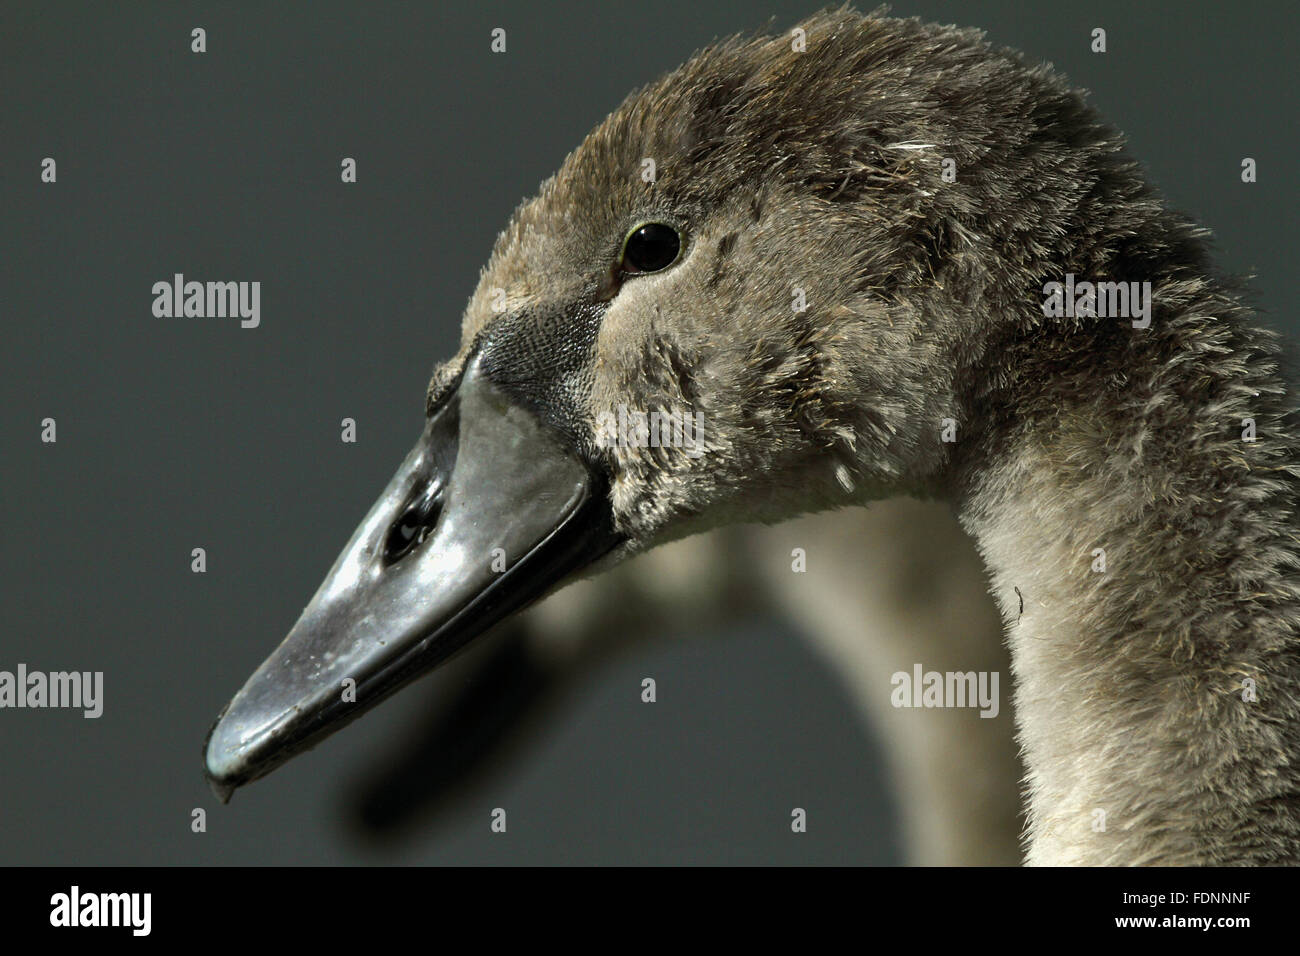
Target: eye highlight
x=650, y=247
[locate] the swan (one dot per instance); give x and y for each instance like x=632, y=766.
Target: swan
x=839, y=255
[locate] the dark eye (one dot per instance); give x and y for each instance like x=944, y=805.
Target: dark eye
x=650, y=248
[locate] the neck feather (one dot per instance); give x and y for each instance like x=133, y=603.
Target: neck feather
x=1145, y=558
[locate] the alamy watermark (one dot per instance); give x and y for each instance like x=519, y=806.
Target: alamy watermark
x=75, y=689
x=1101, y=300
x=923, y=688
x=130, y=910
x=656, y=429
x=208, y=300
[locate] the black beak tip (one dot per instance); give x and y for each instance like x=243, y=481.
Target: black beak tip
x=223, y=791
x=222, y=782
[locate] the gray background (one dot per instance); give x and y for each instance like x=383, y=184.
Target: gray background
x=176, y=433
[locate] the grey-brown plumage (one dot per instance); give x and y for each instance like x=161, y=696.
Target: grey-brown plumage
x=821, y=172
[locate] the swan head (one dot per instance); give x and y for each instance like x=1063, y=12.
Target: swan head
x=728, y=304
x=757, y=241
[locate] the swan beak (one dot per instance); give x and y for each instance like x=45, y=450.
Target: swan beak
x=490, y=510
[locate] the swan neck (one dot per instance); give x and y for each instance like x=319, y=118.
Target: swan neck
x=1139, y=540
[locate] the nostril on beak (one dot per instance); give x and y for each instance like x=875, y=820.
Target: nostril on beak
x=414, y=524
